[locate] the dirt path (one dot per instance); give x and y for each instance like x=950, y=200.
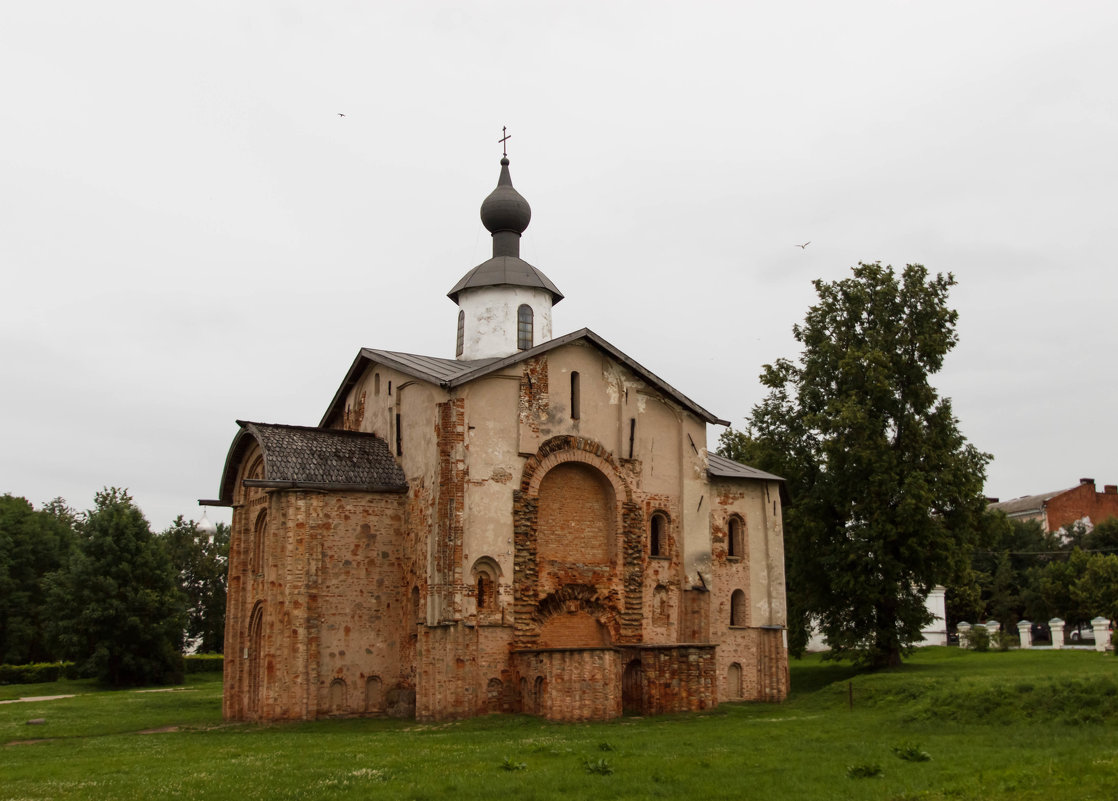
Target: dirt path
x=35, y=698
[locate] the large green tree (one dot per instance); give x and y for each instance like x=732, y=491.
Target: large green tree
x=116, y=607
x=33, y=544
x=886, y=492
x=201, y=563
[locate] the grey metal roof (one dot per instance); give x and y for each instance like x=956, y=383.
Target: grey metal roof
x=435, y=369
x=316, y=458
x=505, y=271
x=721, y=467
x=449, y=373
x=1026, y=503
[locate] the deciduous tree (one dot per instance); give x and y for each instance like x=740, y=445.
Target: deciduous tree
x=201, y=564
x=33, y=544
x=886, y=491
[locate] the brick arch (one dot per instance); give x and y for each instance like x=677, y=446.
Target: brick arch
x=559, y=450
x=626, y=610
x=577, y=599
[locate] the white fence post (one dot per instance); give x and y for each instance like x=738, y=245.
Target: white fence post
x=1057, y=627
x=1102, y=633
x=963, y=628
x=1025, y=632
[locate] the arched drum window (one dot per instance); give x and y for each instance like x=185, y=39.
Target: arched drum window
x=524, y=327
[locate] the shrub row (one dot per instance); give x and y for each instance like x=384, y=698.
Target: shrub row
x=38, y=673
x=203, y=663
x=43, y=672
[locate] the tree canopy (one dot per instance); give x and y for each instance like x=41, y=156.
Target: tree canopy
x=115, y=605
x=201, y=563
x=32, y=544
x=886, y=492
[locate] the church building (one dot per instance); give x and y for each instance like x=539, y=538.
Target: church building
x=532, y=526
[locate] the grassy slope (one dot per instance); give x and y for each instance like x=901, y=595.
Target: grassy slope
x=1014, y=725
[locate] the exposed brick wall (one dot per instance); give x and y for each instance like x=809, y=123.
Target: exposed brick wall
x=1079, y=502
x=609, y=562
x=448, y=582
x=570, y=684
x=763, y=661
x=576, y=629
x=676, y=678
x=577, y=518
x=364, y=602
x=328, y=600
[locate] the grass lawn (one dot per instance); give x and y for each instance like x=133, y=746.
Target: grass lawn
x=950, y=724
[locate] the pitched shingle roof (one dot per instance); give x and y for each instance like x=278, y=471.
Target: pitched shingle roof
x=315, y=458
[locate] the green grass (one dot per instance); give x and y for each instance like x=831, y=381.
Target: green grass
x=1014, y=725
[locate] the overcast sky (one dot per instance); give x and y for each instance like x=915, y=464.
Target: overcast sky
x=191, y=234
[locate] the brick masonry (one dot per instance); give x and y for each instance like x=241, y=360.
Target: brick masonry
x=347, y=603
x=1079, y=502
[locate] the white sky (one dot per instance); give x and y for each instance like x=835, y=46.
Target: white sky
x=190, y=234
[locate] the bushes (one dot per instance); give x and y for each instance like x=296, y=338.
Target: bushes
x=204, y=663
x=38, y=673
x=45, y=672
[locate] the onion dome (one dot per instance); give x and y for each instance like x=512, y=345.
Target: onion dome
x=505, y=209
x=505, y=213
x=205, y=527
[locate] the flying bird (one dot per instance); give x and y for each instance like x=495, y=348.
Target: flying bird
x=340, y=114
x=804, y=245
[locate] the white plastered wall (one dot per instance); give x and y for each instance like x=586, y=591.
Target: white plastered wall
x=490, y=315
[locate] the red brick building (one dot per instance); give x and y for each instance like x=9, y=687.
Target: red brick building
x=1060, y=508
x=533, y=526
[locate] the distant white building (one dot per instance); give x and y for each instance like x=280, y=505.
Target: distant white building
x=935, y=633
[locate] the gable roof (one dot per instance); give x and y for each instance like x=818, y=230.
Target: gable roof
x=449, y=373
x=1026, y=503
x=299, y=457
x=721, y=467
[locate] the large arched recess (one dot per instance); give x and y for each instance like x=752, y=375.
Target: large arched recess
x=592, y=471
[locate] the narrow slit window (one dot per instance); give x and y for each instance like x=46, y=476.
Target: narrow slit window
x=576, y=396
x=399, y=437
x=657, y=536
x=461, y=334
x=735, y=547
x=737, y=608
x=524, y=318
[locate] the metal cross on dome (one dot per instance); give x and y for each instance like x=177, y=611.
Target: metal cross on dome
x=505, y=137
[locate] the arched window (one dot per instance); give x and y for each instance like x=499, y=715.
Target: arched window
x=737, y=608
x=486, y=573
x=255, y=659
x=735, y=546
x=576, y=395
x=258, y=539
x=376, y=383
x=524, y=327
x=461, y=333
x=658, y=535
x=485, y=594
